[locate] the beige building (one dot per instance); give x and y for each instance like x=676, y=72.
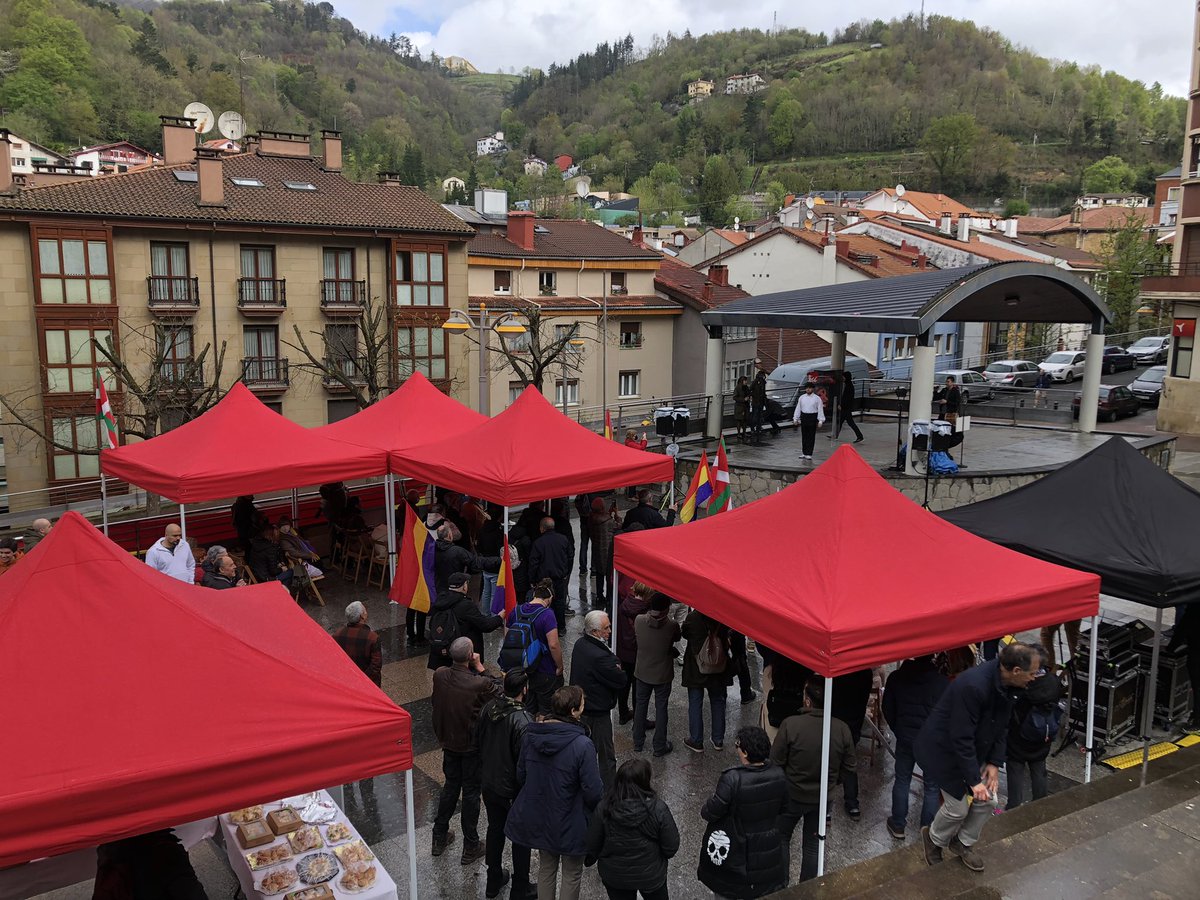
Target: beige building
x=217, y=251
x=571, y=275
x=700, y=89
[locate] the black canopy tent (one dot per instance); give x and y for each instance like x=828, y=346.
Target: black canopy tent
x=1112, y=512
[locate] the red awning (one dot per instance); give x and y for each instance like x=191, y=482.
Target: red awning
x=530, y=451
x=134, y=702
x=415, y=413
x=237, y=447
x=841, y=571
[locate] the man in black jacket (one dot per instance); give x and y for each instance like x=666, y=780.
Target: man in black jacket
x=449, y=557
x=596, y=669
x=962, y=746
x=912, y=692
x=551, y=557
x=846, y=408
x=224, y=577
x=498, y=733
x=646, y=515
x=472, y=623
x=267, y=559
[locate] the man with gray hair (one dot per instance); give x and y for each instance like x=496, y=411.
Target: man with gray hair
x=596, y=669
x=360, y=642
x=460, y=691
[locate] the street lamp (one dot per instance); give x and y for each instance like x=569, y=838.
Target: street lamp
x=507, y=323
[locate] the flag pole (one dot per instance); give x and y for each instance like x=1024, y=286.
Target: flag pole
x=103, y=503
x=183, y=522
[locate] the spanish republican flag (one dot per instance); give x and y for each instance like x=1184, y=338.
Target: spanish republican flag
x=504, y=594
x=608, y=432
x=413, y=586
x=699, y=492
x=722, y=500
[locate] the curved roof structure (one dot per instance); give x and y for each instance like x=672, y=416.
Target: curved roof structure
x=912, y=304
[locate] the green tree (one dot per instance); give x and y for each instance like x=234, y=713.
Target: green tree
x=776, y=193
x=1125, y=256
x=785, y=125
x=412, y=166
x=1110, y=175
x=718, y=184
x=1016, y=207
x=949, y=142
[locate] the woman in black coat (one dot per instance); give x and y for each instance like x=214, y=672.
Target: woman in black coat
x=752, y=861
x=632, y=835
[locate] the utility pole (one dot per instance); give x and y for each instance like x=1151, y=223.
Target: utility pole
x=243, y=58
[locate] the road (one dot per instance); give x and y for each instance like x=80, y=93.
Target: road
x=1066, y=392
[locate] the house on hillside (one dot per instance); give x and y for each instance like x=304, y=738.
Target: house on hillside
x=492, y=143
x=119, y=156
x=27, y=155
x=932, y=208
x=749, y=83
x=1095, y=201
x=612, y=211
x=535, y=166
x=700, y=89
x=564, y=163
x=453, y=183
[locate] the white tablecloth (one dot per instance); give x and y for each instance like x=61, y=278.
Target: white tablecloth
x=383, y=889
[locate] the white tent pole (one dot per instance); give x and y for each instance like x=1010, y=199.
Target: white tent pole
x=823, y=811
x=389, y=493
x=1151, y=694
x=104, y=504
x=1091, y=702
x=296, y=508
x=183, y=523
x=412, y=834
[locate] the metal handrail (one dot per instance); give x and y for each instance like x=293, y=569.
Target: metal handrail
x=176, y=290
x=265, y=370
x=343, y=292
x=262, y=292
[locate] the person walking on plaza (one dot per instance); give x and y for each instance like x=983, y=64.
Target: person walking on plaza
x=460, y=692
x=171, y=556
x=744, y=854
x=1036, y=716
x=961, y=747
x=596, y=669
x=468, y=621
x=603, y=523
x=797, y=750
x=706, y=667
x=810, y=413
x=631, y=606
x=633, y=836
x=546, y=671
x=741, y=408
x=654, y=671
x=758, y=407
x=499, y=732
x=359, y=641
x=583, y=508
x=551, y=557
x=560, y=787
x=909, y=697
x=846, y=405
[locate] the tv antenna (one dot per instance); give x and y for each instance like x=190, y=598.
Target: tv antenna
x=232, y=125
x=202, y=115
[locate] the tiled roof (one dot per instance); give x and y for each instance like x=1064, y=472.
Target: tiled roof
x=737, y=238
x=566, y=303
x=1077, y=259
x=975, y=245
x=890, y=260
x=563, y=239
x=1102, y=218
x=798, y=344
x=683, y=283
x=155, y=193
x=1037, y=224
x=933, y=205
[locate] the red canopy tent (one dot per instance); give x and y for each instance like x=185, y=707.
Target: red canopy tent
x=135, y=702
x=529, y=452
x=236, y=447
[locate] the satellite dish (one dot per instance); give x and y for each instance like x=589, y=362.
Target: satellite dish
x=737, y=220
x=203, y=116
x=809, y=215
x=899, y=190
x=581, y=189
x=232, y=125
x=808, y=202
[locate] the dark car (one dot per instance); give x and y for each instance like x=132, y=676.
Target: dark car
x=1148, y=386
x=1116, y=359
x=1115, y=401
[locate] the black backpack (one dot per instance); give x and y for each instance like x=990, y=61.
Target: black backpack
x=443, y=630
x=522, y=647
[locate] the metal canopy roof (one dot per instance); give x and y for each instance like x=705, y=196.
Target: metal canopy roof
x=912, y=304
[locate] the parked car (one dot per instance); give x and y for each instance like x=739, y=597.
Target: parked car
x=1011, y=373
x=1115, y=401
x=1150, y=350
x=1148, y=386
x=1116, y=359
x=974, y=387
x=1065, y=365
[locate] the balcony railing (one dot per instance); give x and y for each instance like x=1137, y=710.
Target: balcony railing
x=262, y=294
x=343, y=296
x=178, y=373
x=1161, y=270
x=177, y=292
x=353, y=370
x=265, y=372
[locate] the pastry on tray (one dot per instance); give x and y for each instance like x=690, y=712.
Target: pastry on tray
x=249, y=814
x=317, y=868
x=358, y=877
x=338, y=833
x=268, y=856
x=278, y=880
x=306, y=838
x=353, y=853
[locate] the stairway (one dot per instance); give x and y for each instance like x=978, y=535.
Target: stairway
x=1111, y=838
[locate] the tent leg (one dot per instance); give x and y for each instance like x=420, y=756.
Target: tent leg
x=1089, y=735
x=183, y=522
x=412, y=834
x=1151, y=694
x=296, y=507
x=389, y=493
x=104, y=504
x=823, y=811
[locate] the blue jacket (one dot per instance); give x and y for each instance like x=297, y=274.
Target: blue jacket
x=967, y=729
x=560, y=786
x=912, y=692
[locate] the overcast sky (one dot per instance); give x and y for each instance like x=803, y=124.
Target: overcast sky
x=1149, y=41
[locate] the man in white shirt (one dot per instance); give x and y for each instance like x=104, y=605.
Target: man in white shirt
x=810, y=413
x=171, y=556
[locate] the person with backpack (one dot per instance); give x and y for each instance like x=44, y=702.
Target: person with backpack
x=911, y=693
x=531, y=642
x=1035, y=720
x=455, y=615
x=654, y=671
x=632, y=836
x=706, y=667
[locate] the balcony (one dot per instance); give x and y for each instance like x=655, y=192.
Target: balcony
x=341, y=297
x=354, y=371
x=631, y=341
x=262, y=296
x=265, y=374
x=179, y=375
x=1168, y=281
x=173, y=295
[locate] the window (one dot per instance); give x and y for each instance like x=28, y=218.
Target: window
x=420, y=275
x=631, y=335
x=887, y=348
x=71, y=359
x=1184, y=345
x=81, y=432
x=247, y=182
x=502, y=281
x=937, y=345
x=568, y=333
x=516, y=343
x=175, y=351
x=617, y=283
x=258, y=284
x=950, y=344
x=337, y=270
x=169, y=271
x=514, y=391
x=73, y=269
x=739, y=333
x=421, y=349
x=341, y=349
x=336, y=410
x=547, y=282
x=300, y=185
x=261, y=346
x=629, y=384
x=733, y=371
x=1173, y=193
x=572, y=392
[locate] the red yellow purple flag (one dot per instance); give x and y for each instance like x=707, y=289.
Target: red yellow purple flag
x=414, y=583
x=699, y=492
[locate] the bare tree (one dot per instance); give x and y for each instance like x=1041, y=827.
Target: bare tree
x=355, y=356
x=530, y=355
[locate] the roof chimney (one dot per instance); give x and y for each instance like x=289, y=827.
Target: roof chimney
x=946, y=227
x=211, y=176
x=719, y=274
x=1010, y=226
x=390, y=178
x=520, y=229
x=283, y=143
x=6, y=169
x=964, y=227
x=922, y=261
x=332, y=148
x=637, y=238
x=843, y=246
x=178, y=140
x=707, y=292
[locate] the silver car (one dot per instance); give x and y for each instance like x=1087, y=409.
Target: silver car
x=1150, y=349
x=1011, y=373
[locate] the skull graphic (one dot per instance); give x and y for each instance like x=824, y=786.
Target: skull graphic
x=718, y=847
